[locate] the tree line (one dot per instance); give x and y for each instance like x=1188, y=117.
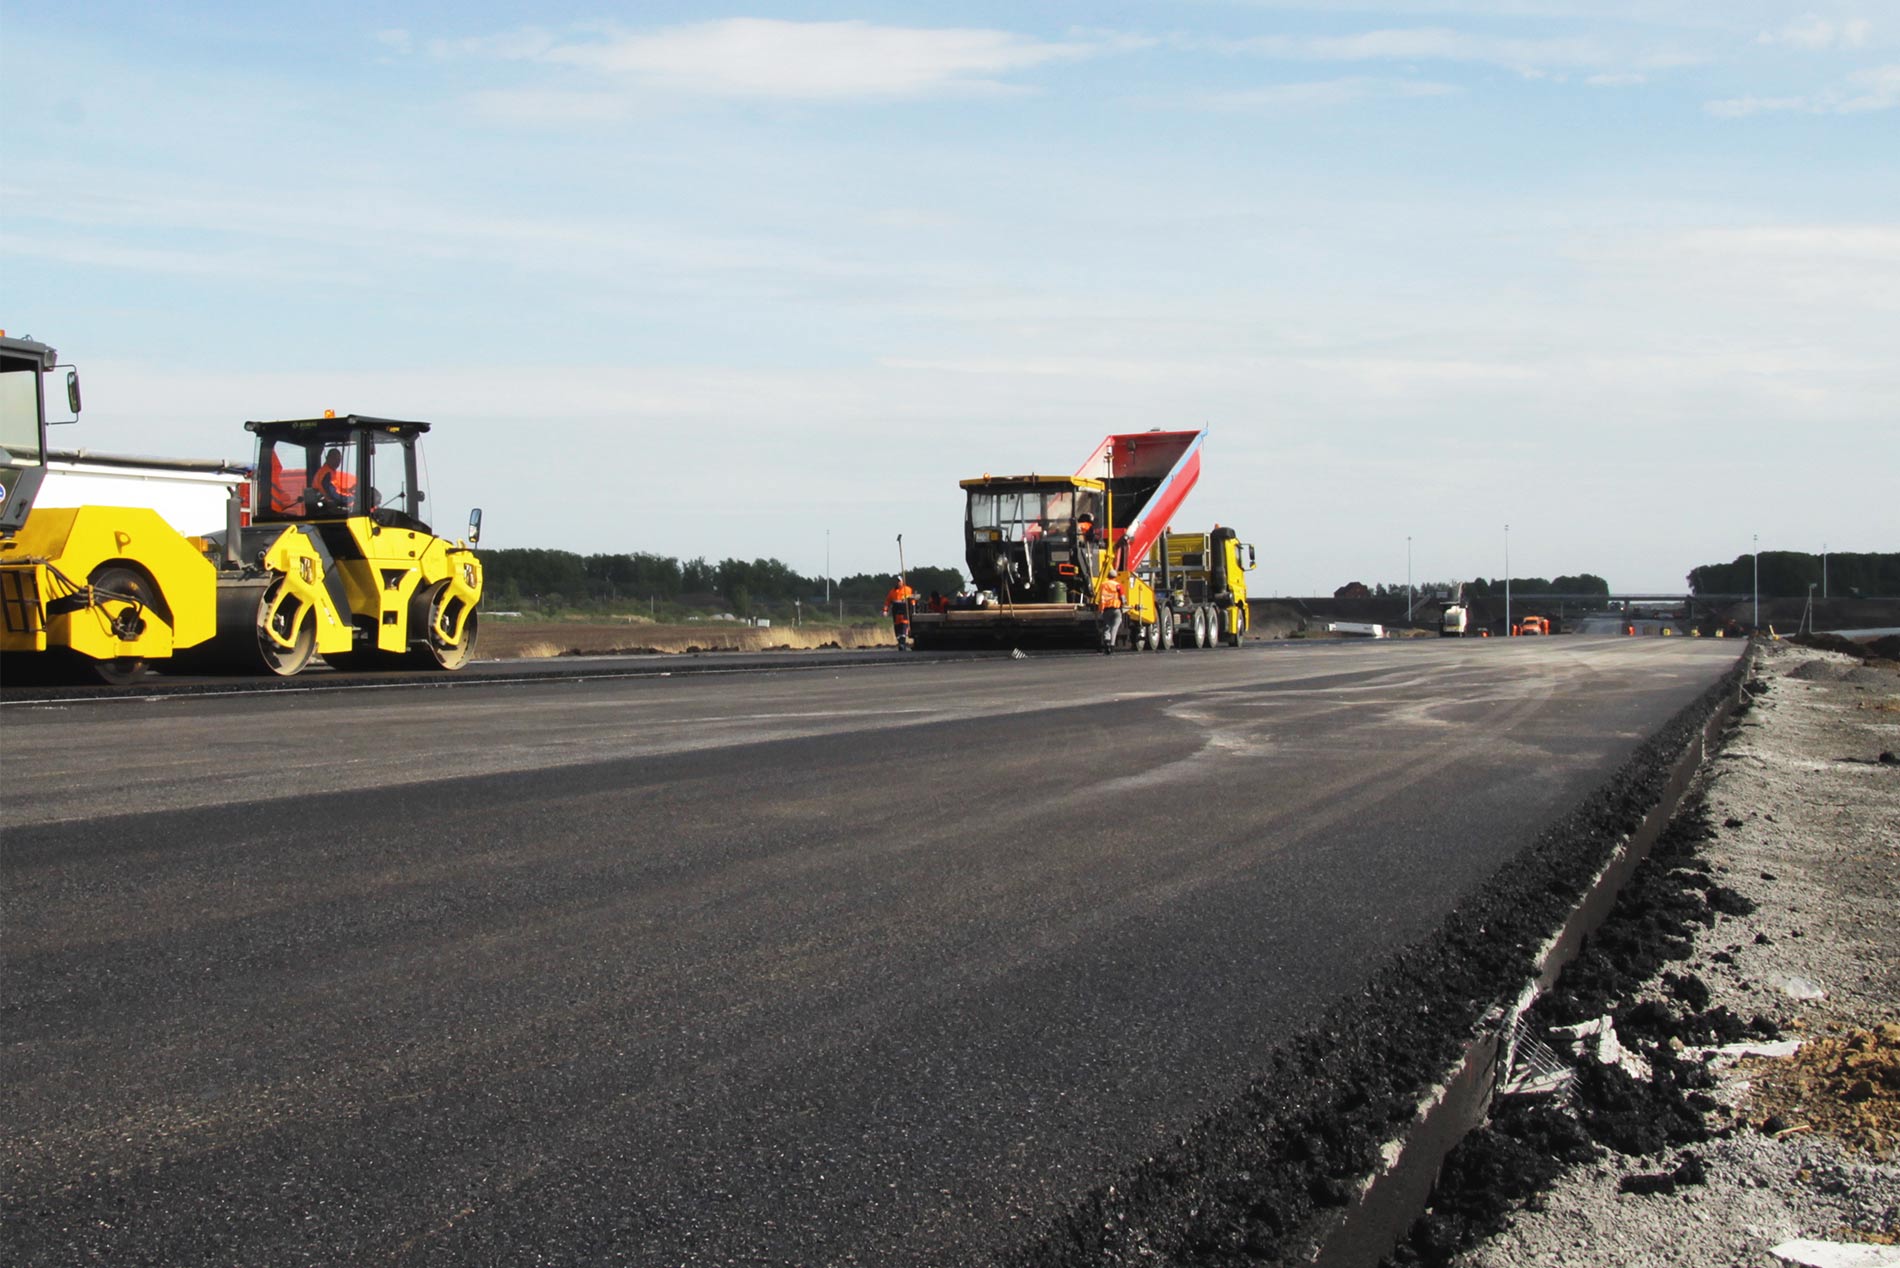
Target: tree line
x=1479, y=587
x=554, y=580
x=1787, y=574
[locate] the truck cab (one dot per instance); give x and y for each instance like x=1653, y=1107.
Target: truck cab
x=24, y=364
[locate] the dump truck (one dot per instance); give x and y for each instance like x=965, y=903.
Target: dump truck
x=1202, y=581
x=111, y=564
x=1037, y=548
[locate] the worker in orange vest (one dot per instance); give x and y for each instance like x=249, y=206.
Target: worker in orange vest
x=1108, y=611
x=897, y=606
x=335, y=487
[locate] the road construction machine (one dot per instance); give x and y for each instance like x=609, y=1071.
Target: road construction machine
x=1039, y=547
x=111, y=564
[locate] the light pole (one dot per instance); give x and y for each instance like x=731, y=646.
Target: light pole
x=827, y=567
x=1408, y=578
x=1757, y=541
x=1824, y=570
x=1507, y=581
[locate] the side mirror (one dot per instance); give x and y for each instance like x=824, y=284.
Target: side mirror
x=72, y=390
x=1251, y=564
x=475, y=526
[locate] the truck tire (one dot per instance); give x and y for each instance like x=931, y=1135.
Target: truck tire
x=1201, y=631
x=1164, y=630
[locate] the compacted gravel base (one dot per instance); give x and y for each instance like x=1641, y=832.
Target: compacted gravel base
x=1766, y=913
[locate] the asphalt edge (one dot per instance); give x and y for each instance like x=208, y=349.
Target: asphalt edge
x=1330, y=1155
x=1391, y=1200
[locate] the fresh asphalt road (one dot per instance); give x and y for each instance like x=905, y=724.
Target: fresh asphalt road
x=881, y=966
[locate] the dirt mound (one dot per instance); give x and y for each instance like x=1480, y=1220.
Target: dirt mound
x=509, y=640
x=1845, y=1085
x=1885, y=648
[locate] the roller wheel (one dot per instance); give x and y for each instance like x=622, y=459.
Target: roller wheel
x=121, y=671
x=426, y=650
x=356, y=662
x=285, y=662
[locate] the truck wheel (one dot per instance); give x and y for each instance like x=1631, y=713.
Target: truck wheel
x=1164, y=630
x=120, y=671
x=1200, y=627
x=426, y=650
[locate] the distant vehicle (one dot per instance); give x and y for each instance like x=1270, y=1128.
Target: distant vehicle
x=1532, y=625
x=1452, y=623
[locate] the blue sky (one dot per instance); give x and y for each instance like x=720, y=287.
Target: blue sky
x=716, y=281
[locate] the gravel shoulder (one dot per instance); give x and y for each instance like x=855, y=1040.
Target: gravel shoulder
x=1766, y=916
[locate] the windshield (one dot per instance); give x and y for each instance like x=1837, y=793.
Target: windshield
x=20, y=410
x=396, y=493
x=305, y=479
x=1026, y=514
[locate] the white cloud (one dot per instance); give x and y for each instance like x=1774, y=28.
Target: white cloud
x=802, y=61
x=1859, y=93
x=530, y=106
x=1862, y=245
x=1321, y=93
x=1818, y=34
x=1526, y=56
